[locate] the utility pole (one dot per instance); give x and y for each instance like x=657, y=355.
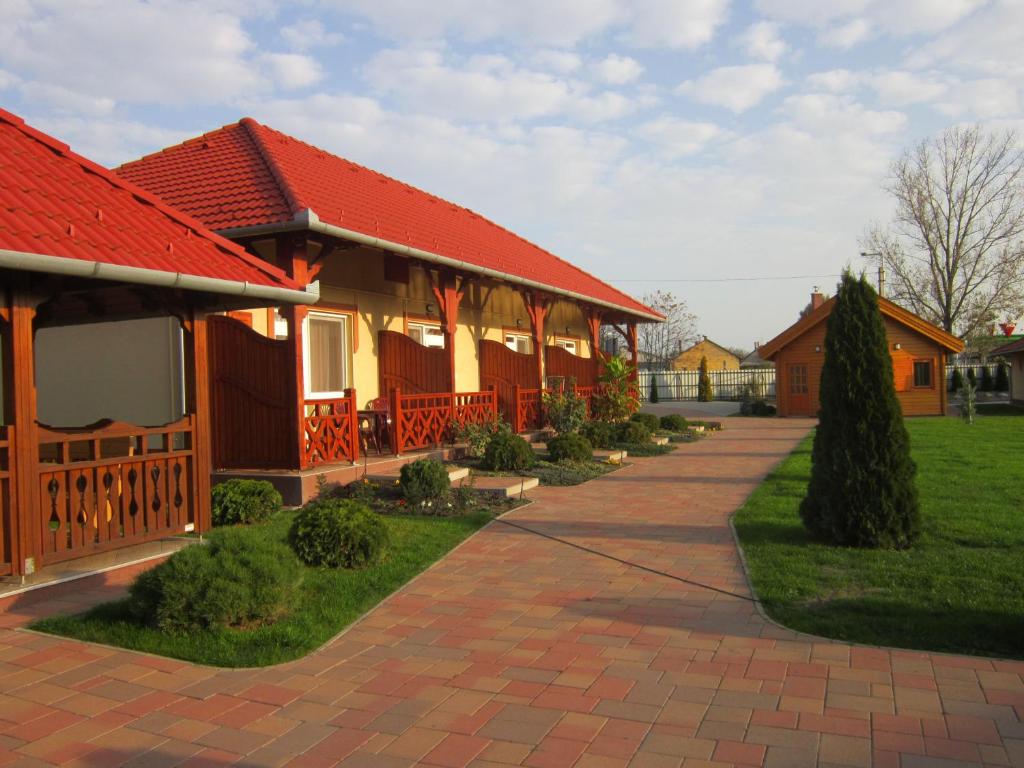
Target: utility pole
x=881, y=270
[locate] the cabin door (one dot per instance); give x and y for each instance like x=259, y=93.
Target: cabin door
x=799, y=392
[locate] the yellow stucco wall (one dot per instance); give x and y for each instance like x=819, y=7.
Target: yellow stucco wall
x=718, y=359
x=353, y=281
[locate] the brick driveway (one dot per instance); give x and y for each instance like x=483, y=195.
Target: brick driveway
x=519, y=650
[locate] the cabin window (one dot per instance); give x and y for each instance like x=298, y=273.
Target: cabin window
x=518, y=342
x=798, y=379
x=427, y=334
x=569, y=345
x=326, y=354
x=922, y=373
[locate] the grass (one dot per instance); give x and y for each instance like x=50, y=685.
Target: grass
x=641, y=450
x=329, y=601
x=551, y=472
x=959, y=589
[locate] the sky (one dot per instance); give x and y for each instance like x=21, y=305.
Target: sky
x=693, y=146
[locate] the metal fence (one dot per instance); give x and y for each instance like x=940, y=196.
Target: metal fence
x=725, y=385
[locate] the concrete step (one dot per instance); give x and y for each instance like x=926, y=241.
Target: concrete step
x=501, y=487
x=659, y=440
x=612, y=454
x=388, y=476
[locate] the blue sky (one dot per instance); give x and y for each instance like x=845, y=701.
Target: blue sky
x=658, y=143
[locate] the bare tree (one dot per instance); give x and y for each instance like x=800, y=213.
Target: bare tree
x=661, y=342
x=954, y=253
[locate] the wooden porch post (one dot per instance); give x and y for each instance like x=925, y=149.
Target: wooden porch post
x=449, y=297
x=292, y=256
x=26, y=545
x=593, y=317
x=198, y=404
x=537, y=307
x=634, y=352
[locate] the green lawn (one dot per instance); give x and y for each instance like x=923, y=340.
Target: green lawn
x=961, y=588
x=330, y=600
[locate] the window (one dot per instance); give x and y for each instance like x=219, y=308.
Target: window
x=518, y=342
x=569, y=345
x=427, y=334
x=326, y=355
x=922, y=373
x=798, y=379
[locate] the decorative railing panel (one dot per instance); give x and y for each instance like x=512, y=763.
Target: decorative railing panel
x=331, y=430
x=421, y=421
x=6, y=507
x=115, y=485
x=529, y=408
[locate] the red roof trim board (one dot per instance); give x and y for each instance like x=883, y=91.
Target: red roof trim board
x=61, y=212
x=246, y=177
x=1008, y=349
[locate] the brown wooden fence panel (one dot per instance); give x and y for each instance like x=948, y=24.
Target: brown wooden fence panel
x=252, y=425
x=6, y=508
x=409, y=366
x=558, y=362
x=503, y=369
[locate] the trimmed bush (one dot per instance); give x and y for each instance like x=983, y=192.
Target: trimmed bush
x=1002, y=378
x=244, y=502
x=957, y=381
x=239, y=578
x=761, y=408
x=705, y=392
x=565, y=410
x=673, y=423
x=862, y=491
x=601, y=434
x=570, y=447
x=986, y=379
x=972, y=377
x=649, y=420
x=338, y=533
x=632, y=432
x=654, y=389
x=423, y=480
x=508, y=453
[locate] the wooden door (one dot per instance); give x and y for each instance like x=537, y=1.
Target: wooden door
x=504, y=368
x=798, y=390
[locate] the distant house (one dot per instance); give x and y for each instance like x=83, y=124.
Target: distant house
x=754, y=359
x=719, y=358
x=917, y=347
x=1014, y=352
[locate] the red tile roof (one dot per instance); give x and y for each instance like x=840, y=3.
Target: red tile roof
x=246, y=174
x=54, y=202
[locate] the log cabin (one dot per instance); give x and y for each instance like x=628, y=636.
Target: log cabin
x=105, y=295
x=428, y=311
x=918, y=350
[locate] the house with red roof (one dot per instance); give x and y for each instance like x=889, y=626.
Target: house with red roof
x=104, y=289
x=429, y=312
x=1013, y=351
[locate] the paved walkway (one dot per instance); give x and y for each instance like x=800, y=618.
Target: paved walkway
x=518, y=650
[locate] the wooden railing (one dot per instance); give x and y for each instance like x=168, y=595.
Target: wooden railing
x=529, y=408
x=331, y=430
x=110, y=486
x=420, y=421
x=6, y=508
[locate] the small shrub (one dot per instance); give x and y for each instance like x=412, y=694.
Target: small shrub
x=654, y=389
x=632, y=432
x=239, y=578
x=424, y=480
x=649, y=420
x=616, y=398
x=972, y=377
x=570, y=447
x=244, y=502
x=673, y=423
x=338, y=533
x=363, y=491
x=761, y=408
x=1002, y=377
x=601, y=434
x=705, y=392
x=508, y=453
x=957, y=381
x=477, y=436
x=564, y=410
x=986, y=379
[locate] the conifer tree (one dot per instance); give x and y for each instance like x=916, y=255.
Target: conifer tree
x=862, y=490
x=1002, y=377
x=957, y=382
x=972, y=377
x=705, y=392
x=986, y=379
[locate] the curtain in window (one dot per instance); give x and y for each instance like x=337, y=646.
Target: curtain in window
x=326, y=354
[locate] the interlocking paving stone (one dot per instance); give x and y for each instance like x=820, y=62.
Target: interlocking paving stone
x=519, y=650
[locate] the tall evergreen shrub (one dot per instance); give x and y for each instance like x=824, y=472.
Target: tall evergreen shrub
x=705, y=393
x=1002, y=377
x=972, y=377
x=654, y=389
x=862, y=490
x=986, y=379
x=957, y=382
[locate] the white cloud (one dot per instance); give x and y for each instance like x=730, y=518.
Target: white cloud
x=736, y=88
x=763, y=40
x=678, y=137
x=825, y=114
x=618, y=70
x=110, y=141
x=309, y=33
x=673, y=24
x=984, y=98
x=846, y=35
x=293, y=70
x=899, y=87
x=172, y=52
x=561, y=62
x=907, y=17
x=64, y=101
x=835, y=80
x=987, y=43
x=8, y=80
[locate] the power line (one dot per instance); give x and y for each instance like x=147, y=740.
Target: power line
x=718, y=279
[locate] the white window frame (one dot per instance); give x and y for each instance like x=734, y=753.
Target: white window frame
x=423, y=326
x=515, y=338
x=571, y=346
x=345, y=319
